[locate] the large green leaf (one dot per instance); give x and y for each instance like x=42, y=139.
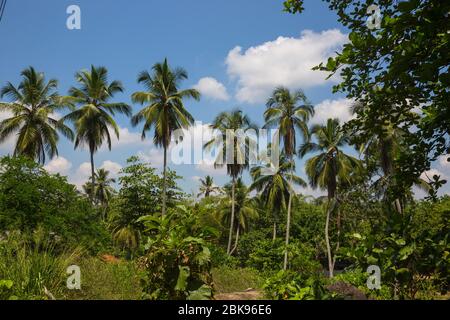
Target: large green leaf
x=182, y=278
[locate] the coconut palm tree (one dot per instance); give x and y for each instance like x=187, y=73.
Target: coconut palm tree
x=275, y=189
x=235, y=154
x=164, y=107
x=93, y=119
x=103, y=189
x=102, y=192
x=288, y=112
x=330, y=167
x=244, y=208
x=207, y=187
x=33, y=109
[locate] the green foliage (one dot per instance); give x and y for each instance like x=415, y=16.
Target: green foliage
x=293, y=6
x=139, y=195
x=266, y=255
x=33, y=104
x=231, y=279
x=219, y=257
x=409, y=255
x=377, y=70
x=6, y=288
x=34, y=266
x=94, y=119
x=289, y=285
x=31, y=197
x=107, y=281
x=358, y=279
x=177, y=259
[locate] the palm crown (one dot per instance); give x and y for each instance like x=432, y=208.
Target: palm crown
x=231, y=123
x=33, y=116
x=275, y=189
x=207, y=187
x=164, y=110
x=288, y=112
x=331, y=165
x=94, y=118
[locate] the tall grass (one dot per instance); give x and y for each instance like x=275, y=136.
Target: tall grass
x=34, y=266
x=108, y=281
x=229, y=279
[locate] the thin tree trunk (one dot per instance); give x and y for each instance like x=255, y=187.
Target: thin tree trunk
x=91, y=195
x=92, y=169
x=236, y=241
x=398, y=206
x=164, y=182
x=274, y=232
x=288, y=224
x=327, y=240
x=232, y=216
x=336, y=250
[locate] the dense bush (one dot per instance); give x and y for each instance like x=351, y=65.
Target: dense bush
x=31, y=198
x=177, y=260
x=102, y=280
x=35, y=269
x=413, y=252
x=290, y=285
x=230, y=279
x=139, y=195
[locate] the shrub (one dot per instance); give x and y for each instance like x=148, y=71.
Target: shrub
x=289, y=285
x=219, y=257
x=33, y=267
x=30, y=198
x=110, y=281
x=228, y=279
x=178, y=260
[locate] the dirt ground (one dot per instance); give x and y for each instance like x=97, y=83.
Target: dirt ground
x=249, y=294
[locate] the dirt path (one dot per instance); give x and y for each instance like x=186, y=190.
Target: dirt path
x=249, y=294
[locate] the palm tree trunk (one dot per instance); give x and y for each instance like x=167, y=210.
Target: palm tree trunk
x=92, y=169
x=398, y=206
x=236, y=241
x=164, y=182
x=327, y=239
x=91, y=195
x=274, y=232
x=288, y=223
x=232, y=216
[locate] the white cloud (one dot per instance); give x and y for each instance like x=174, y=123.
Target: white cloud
x=127, y=138
x=113, y=167
x=285, y=61
x=443, y=161
x=208, y=168
x=83, y=173
x=9, y=144
x=308, y=191
x=327, y=109
x=59, y=165
x=84, y=169
x=154, y=156
x=213, y=89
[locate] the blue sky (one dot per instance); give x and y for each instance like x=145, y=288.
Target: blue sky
x=235, y=52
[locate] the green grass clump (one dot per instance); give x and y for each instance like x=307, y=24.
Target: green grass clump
x=228, y=279
x=107, y=281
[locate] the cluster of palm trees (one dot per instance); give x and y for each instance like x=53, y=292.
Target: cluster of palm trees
x=35, y=121
x=34, y=106
x=289, y=112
